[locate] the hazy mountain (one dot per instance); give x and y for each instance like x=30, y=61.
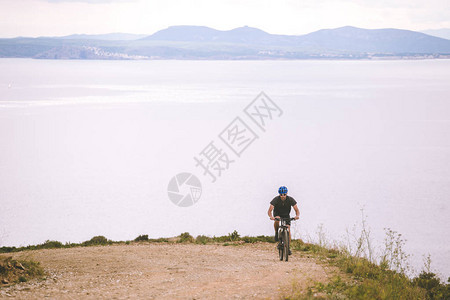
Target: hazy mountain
x=200, y=42
x=346, y=39
x=352, y=39
x=442, y=33
x=205, y=34
x=185, y=33
x=105, y=37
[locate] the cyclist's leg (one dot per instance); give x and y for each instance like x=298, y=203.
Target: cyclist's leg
x=276, y=225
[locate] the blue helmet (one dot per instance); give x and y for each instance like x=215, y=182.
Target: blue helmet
x=282, y=190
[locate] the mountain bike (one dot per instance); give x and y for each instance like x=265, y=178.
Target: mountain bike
x=283, y=238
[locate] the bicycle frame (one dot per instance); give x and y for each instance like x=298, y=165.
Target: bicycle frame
x=283, y=238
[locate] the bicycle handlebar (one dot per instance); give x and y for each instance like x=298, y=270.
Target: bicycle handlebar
x=279, y=219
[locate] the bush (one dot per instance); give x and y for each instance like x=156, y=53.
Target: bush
x=432, y=284
x=231, y=237
x=50, y=245
x=13, y=271
x=203, y=239
x=307, y=247
x=186, y=238
x=395, y=286
x=369, y=279
x=249, y=239
x=97, y=240
x=221, y=239
x=141, y=238
x=7, y=249
x=159, y=240
x=234, y=236
x=259, y=238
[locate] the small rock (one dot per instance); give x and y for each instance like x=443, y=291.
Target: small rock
x=5, y=281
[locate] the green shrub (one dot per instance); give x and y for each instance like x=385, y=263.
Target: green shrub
x=231, y=237
x=259, y=238
x=185, y=237
x=393, y=286
x=7, y=249
x=203, y=239
x=249, y=239
x=234, y=236
x=368, y=279
x=334, y=289
x=159, y=240
x=50, y=245
x=221, y=239
x=143, y=238
x=372, y=282
x=432, y=284
x=307, y=247
x=97, y=240
x=14, y=271
x=359, y=267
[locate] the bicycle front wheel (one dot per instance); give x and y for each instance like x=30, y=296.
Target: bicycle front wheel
x=280, y=245
x=286, y=245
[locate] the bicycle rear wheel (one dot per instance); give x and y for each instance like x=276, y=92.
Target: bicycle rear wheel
x=286, y=245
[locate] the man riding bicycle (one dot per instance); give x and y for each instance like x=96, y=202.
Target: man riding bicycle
x=281, y=207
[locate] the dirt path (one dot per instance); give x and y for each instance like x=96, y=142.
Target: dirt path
x=169, y=271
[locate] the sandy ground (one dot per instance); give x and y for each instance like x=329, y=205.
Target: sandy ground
x=168, y=271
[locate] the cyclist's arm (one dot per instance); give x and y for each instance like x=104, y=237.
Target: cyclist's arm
x=269, y=212
x=297, y=212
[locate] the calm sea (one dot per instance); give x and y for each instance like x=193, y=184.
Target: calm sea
x=89, y=148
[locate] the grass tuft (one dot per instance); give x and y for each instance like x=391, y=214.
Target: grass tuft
x=369, y=278
x=15, y=271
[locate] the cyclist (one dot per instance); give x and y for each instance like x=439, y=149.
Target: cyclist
x=281, y=207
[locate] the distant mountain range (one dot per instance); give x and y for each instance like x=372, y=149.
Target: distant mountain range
x=200, y=42
x=105, y=37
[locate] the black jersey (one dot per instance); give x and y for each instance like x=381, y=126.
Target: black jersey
x=282, y=208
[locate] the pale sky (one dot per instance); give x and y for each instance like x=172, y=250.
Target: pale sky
x=64, y=17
